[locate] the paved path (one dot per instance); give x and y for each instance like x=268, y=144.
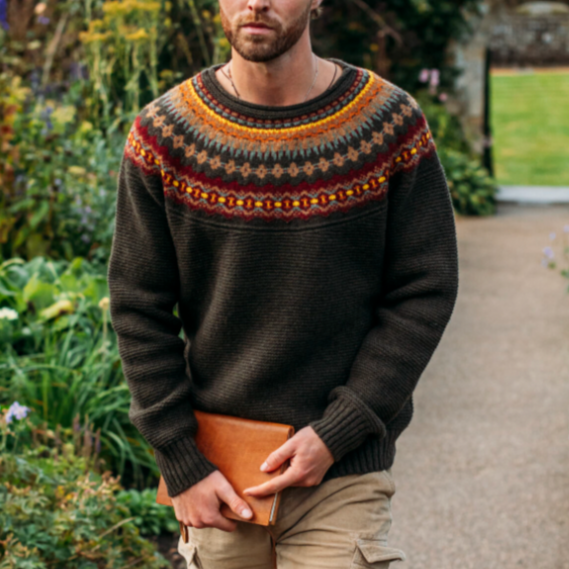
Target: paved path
x=482, y=472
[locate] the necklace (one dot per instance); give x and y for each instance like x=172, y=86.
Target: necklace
x=230, y=77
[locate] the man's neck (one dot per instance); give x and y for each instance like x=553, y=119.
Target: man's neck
x=283, y=81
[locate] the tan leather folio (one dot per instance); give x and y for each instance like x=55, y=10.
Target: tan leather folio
x=238, y=447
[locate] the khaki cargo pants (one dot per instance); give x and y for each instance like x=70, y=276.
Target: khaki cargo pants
x=341, y=523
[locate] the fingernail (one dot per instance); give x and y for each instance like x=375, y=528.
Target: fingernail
x=264, y=466
x=246, y=513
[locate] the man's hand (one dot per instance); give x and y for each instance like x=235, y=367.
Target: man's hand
x=310, y=459
x=198, y=506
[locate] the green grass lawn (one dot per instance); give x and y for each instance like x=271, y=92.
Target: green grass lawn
x=530, y=128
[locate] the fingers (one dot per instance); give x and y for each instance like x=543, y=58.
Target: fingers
x=288, y=478
x=215, y=520
x=208, y=517
x=227, y=494
x=277, y=457
x=199, y=506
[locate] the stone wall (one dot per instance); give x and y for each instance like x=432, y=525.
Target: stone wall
x=517, y=39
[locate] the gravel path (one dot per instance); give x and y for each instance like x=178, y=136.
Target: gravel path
x=482, y=472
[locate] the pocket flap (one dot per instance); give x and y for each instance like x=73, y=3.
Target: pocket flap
x=375, y=551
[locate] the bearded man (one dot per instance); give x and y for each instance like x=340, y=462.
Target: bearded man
x=296, y=210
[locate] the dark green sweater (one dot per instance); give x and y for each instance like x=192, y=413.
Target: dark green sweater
x=311, y=250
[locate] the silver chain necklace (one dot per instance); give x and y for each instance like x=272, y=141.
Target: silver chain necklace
x=230, y=77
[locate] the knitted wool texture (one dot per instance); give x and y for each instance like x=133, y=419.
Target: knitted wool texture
x=311, y=251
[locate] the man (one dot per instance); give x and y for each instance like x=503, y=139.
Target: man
x=296, y=211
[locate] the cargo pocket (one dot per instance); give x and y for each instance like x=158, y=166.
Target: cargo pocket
x=374, y=554
x=189, y=552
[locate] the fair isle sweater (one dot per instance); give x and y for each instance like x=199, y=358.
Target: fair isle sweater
x=311, y=252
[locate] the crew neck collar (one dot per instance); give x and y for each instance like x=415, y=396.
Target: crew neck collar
x=215, y=92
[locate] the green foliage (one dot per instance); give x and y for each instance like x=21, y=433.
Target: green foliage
x=472, y=189
x=71, y=119
x=151, y=518
x=445, y=127
x=59, y=355
x=65, y=208
x=396, y=38
x=122, y=44
x=57, y=513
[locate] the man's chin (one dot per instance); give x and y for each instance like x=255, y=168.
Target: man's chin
x=256, y=55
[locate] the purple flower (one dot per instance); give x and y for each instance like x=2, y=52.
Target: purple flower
x=16, y=411
x=435, y=74
x=43, y=20
x=424, y=75
x=87, y=209
x=35, y=79
x=3, y=14
x=548, y=252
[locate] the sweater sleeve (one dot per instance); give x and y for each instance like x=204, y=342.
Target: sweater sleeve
x=144, y=288
x=419, y=290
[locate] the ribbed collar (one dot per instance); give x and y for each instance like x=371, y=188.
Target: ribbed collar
x=342, y=86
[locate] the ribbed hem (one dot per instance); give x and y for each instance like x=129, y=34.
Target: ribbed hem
x=346, y=423
x=372, y=455
x=182, y=465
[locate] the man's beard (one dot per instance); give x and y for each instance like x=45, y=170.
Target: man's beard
x=261, y=48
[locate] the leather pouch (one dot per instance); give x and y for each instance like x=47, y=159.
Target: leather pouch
x=238, y=447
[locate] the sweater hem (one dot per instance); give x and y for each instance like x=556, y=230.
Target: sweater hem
x=182, y=465
x=371, y=456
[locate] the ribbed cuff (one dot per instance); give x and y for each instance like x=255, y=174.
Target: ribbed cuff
x=346, y=422
x=182, y=465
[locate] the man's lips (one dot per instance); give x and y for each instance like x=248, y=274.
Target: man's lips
x=256, y=27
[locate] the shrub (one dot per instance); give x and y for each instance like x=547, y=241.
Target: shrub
x=472, y=190
x=56, y=512
x=65, y=207
x=151, y=518
x=59, y=356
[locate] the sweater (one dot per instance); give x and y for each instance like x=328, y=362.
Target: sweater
x=293, y=264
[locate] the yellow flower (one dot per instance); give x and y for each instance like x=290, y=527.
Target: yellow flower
x=77, y=170
x=139, y=35
x=57, y=309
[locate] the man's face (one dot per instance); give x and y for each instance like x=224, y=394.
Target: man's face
x=264, y=30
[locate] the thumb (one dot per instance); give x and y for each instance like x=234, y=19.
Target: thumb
x=228, y=495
